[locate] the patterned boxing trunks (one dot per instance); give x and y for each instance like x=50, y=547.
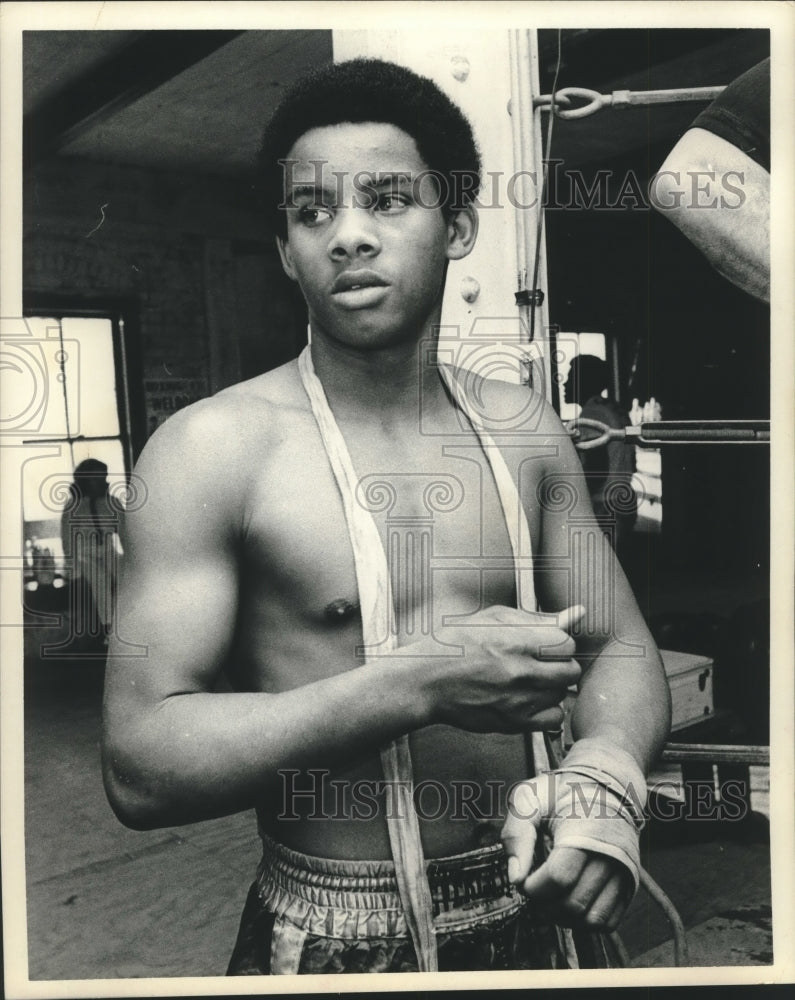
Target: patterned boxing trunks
x=309, y=915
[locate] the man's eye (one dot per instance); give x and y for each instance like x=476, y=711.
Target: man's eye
x=391, y=203
x=313, y=215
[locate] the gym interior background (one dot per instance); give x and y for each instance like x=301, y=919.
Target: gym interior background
x=140, y=206
x=140, y=210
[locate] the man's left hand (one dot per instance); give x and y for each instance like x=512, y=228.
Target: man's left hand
x=577, y=887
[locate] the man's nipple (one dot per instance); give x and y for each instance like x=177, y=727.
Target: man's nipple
x=340, y=611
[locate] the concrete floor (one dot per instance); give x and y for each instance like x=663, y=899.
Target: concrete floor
x=107, y=902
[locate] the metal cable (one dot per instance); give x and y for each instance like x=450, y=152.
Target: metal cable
x=545, y=177
x=681, y=953
x=623, y=955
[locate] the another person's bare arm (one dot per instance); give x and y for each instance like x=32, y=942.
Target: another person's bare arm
x=720, y=200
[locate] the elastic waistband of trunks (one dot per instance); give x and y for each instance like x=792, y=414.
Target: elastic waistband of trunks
x=455, y=881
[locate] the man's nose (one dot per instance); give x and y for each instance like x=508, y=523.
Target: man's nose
x=354, y=234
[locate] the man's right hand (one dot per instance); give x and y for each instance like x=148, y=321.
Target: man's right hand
x=511, y=675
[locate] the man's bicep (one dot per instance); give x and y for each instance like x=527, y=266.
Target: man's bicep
x=173, y=630
x=178, y=583
x=180, y=622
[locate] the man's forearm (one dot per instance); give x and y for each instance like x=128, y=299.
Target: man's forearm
x=625, y=699
x=199, y=755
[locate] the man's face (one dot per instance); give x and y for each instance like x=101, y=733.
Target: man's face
x=366, y=242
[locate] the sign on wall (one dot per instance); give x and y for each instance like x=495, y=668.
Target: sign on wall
x=164, y=396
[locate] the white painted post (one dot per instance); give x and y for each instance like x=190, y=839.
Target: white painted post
x=474, y=67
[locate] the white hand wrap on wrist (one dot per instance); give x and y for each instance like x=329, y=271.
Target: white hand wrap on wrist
x=599, y=796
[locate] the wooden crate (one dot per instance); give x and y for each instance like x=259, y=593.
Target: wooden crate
x=690, y=680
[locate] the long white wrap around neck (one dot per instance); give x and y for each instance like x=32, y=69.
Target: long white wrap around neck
x=375, y=598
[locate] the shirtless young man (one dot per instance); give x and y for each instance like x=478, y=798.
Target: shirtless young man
x=270, y=571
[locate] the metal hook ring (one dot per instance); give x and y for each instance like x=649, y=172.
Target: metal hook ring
x=596, y=102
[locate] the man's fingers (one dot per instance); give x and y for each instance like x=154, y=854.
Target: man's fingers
x=520, y=830
x=499, y=614
x=555, y=672
x=569, y=617
x=510, y=624
x=575, y=900
x=608, y=907
x=580, y=888
x=547, y=720
x=560, y=646
x=554, y=880
x=502, y=614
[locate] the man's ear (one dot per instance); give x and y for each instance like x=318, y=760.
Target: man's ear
x=462, y=231
x=286, y=258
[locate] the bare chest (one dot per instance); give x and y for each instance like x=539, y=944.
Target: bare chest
x=433, y=499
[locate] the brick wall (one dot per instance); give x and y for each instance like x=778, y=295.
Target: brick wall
x=164, y=274
x=189, y=251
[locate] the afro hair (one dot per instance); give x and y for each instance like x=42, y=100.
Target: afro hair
x=371, y=90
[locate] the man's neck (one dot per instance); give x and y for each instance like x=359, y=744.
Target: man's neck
x=388, y=386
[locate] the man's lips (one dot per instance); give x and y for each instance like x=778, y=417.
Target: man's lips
x=352, y=280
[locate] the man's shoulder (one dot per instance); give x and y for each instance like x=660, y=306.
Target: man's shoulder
x=226, y=429
x=509, y=408
x=275, y=391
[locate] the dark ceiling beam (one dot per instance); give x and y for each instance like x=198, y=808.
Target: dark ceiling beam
x=600, y=54
x=149, y=61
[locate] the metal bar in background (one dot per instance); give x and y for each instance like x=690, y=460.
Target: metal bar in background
x=619, y=99
x=702, y=432
x=654, y=434
x=715, y=753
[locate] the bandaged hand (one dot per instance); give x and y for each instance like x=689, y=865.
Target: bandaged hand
x=591, y=811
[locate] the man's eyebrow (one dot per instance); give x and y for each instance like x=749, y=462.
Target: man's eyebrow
x=391, y=177
x=327, y=194
x=312, y=190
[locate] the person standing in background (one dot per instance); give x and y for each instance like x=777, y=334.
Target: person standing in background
x=89, y=532
x=608, y=468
